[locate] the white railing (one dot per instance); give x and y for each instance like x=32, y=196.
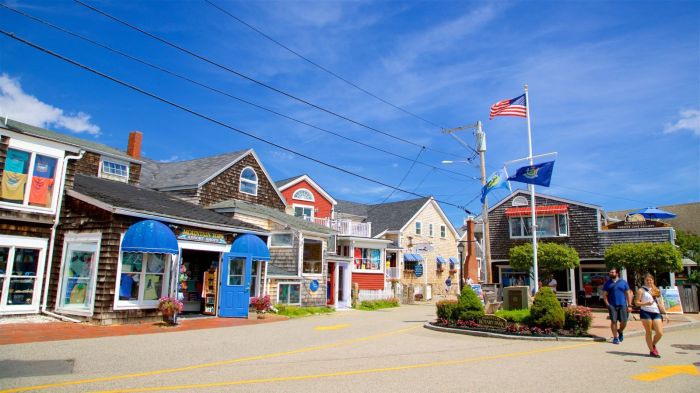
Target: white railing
x=393, y=272
x=345, y=227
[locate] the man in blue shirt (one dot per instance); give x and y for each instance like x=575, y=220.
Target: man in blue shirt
x=618, y=299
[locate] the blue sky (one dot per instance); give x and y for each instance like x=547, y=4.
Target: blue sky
x=614, y=89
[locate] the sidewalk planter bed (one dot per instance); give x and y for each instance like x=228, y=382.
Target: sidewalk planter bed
x=298, y=312
x=512, y=329
x=369, y=305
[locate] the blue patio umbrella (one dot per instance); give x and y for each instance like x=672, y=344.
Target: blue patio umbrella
x=653, y=213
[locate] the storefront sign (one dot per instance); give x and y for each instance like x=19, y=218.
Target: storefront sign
x=493, y=321
x=201, y=236
x=672, y=300
x=636, y=225
x=313, y=286
x=418, y=270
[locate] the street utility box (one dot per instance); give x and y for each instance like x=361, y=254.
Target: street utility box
x=516, y=298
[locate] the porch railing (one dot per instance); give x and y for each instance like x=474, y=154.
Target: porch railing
x=345, y=227
x=393, y=272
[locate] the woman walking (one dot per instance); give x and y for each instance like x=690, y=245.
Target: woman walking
x=651, y=313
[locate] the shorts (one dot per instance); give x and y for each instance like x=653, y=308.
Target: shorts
x=649, y=315
x=618, y=313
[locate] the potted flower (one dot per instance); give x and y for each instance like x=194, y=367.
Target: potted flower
x=169, y=306
x=261, y=304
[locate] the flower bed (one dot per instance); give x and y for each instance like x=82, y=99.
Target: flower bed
x=513, y=329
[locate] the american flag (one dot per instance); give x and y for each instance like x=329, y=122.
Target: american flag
x=510, y=107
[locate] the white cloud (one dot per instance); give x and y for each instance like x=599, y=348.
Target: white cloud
x=20, y=106
x=690, y=120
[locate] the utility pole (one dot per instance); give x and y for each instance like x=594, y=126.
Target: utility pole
x=481, y=150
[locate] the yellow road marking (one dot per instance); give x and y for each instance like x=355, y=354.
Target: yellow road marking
x=212, y=364
x=667, y=371
x=350, y=372
x=332, y=327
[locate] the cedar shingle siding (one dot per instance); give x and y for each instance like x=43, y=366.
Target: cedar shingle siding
x=90, y=165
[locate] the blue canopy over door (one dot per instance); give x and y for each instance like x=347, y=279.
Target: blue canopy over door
x=234, y=296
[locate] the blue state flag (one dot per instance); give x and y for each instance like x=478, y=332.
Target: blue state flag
x=539, y=174
x=498, y=179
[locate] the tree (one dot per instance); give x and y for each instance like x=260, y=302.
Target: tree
x=643, y=258
x=551, y=257
x=689, y=244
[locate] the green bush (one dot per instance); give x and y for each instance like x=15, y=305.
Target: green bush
x=546, y=312
x=369, y=305
x=296, y=311
x=447, y=309
x=515, y=316
x=469, y=307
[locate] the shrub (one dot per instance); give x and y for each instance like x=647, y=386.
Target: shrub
x=578, y=319
x=369, y=305
x=546, y=312
x=446, y=309
x=469, y=307
x=296, y=311
x=516, y=316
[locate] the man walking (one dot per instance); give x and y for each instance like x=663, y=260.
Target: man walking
x=618, y=299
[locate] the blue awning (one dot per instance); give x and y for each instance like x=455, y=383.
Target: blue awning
x=250, y=244
x=150, y=236
x=412, y=257
x=454, y=260
x=440, y=259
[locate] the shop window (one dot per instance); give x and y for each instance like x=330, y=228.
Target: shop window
x=313, y=259
x=249, y=181
x=510, y=278
x=367, y=259
x=28, y=178
x=443, y=231
x=21, y=266
x=289, y=293
x=78, y=272
x=418, y=227
x=281, y=240
x=303, y=211
x=143, y=279
x=114, y=170
x=547, y=226
x=303, y=194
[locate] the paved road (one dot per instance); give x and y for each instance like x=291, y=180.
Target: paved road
x=352, y=351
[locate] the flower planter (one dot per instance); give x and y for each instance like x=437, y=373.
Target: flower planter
x=169, y=317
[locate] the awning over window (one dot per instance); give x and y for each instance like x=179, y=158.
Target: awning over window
x=150, y=236
x=412, y=258
x=250, y=244
x=454, y=260
x=440, y=259
x=526, y=211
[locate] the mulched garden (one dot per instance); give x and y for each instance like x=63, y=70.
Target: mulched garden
x=512, y=329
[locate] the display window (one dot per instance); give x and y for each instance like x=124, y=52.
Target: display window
x=21, y=267
x=592, y=280
x=29, y=175
x=510, y=278
x=78, y=274
x=143, y=279
x=289, y=293
x=313, y=259
x=547, y=226
x=367, y=259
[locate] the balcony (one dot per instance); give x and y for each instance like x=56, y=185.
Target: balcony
x=344, y=227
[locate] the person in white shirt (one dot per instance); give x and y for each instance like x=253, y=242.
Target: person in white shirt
x=651, y=313
x=553, y=284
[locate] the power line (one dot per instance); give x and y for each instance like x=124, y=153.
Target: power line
x=399, y=185
x=318, y=65
x=253, y=80
x=218, y=91
x=208, y=118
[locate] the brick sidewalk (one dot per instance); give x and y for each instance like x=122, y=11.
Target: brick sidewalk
x=19, y=333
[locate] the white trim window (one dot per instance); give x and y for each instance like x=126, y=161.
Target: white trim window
x=430, y=230
x=30, y=176
x=443, y=231
x=76, y=287
x=547, y=226
x=313, y=257
x=367, y=259
x=248, y=181
x=21, y=273
x=289, y=293
x=418, y=227
x=281, y=240
x=114, y=170
x=303, y=194
x=303, y=211
x=142, y=279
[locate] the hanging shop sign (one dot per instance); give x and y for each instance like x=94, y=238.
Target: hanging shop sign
x=418, y=270
x=636, y=225
x=201, y=236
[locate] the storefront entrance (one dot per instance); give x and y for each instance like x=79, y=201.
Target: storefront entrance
x=242, y=272
x=194, y=265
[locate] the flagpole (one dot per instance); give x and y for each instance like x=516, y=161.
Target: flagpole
x=532, y=196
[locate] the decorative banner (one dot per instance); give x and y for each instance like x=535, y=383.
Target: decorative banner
x=418, y=270
x=672, y=300
x=201, y=236
x=313, y=286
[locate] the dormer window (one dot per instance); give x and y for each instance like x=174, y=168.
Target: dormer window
x=249, y=181
x=114, y=170
x=303, y=194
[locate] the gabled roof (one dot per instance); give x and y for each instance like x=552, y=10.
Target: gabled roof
x=272, y=214
x=527, y=193
x=85, y=144
x=286, y=183
x=127, y=199
x=191, y=173
x=390, y=216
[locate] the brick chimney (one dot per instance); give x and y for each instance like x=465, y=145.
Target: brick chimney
x=133, y=149
x=471, y=269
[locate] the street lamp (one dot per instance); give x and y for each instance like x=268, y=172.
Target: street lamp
x=460, y=248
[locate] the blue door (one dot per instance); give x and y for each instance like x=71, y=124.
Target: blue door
x=234, y=295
